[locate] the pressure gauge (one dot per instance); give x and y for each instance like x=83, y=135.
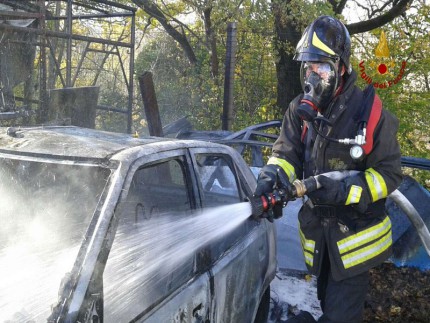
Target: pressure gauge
x=356, y=152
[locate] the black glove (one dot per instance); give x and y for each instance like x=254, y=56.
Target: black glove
x=266, y=180
x=332, y=192
x=271, y=177
x=336, y=192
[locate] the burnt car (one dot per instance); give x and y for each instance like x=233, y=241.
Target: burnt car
x=104, y=227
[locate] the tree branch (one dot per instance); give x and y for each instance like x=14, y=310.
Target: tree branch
x=337, y=7
x=341, y=6
x=211, y=41
x=151, y=9
x=381, y=20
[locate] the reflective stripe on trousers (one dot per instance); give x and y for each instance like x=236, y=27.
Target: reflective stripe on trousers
x=308, y=247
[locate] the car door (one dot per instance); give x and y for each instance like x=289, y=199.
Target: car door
x=238, y=259
x=149, y=276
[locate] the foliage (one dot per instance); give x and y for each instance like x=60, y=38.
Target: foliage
x=109, y=120
x=174, y=79
x=409, y=99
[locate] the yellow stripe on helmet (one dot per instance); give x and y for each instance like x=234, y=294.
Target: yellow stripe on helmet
x=319, y=44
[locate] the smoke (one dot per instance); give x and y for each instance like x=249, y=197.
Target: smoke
x=45, y=211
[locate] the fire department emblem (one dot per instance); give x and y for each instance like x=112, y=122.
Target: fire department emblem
x=383, y=72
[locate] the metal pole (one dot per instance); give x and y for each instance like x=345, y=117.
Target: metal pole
x=230, y=60
x=131, y=76
x=43, y=95
x=69, y=45
x=63, y=35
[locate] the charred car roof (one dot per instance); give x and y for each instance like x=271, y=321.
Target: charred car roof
x=79, y=144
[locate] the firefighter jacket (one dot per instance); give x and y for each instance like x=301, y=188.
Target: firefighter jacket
x=356, y=238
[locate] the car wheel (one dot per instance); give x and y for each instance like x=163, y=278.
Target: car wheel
x=263, y=308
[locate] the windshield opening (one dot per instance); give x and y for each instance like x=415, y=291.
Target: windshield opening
x=45, y=211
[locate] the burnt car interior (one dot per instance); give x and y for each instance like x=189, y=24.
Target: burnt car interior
x=154, y=185
x=219, y=186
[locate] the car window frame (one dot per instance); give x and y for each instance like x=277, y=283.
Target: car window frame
x=207, y=256
x=231, y=162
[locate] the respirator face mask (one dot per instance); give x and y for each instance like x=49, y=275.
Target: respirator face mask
x=319, y=83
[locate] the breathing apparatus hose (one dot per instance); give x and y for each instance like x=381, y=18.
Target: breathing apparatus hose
x=299, y=188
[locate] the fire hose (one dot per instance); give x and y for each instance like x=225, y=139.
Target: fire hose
x=299, y=188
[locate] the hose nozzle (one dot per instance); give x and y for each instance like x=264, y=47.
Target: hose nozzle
x=259, y=204
x=270, y=205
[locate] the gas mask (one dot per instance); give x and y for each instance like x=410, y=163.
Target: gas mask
x=319, y=83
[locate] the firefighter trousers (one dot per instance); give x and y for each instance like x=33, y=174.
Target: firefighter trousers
x=341, y=301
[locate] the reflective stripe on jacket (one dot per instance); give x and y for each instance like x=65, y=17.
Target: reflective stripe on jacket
x=366, y=244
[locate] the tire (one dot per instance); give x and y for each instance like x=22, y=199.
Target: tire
x=263, y=308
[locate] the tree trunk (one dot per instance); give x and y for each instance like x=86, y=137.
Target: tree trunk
x=287, y=70
x=211, y=40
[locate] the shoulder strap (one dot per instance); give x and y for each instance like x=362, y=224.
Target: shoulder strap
x=366, y=107
x=374, y=117
x=304, y=131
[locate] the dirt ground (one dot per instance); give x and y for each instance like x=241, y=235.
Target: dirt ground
x=398, y=295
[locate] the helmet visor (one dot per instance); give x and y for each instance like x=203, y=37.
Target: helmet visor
x=325, y=70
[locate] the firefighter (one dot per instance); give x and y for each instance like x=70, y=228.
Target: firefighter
x=343, y=228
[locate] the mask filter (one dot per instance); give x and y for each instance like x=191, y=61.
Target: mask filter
x=308, y=108
x=307, y=111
